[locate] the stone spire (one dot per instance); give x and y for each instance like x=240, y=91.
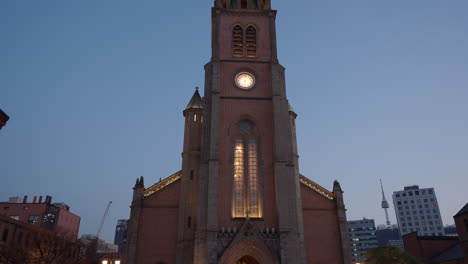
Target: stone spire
x=196, y=102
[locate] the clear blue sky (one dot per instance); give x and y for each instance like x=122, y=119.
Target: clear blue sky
x=96, y=89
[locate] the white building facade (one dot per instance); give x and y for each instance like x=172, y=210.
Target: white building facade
x=417, y=210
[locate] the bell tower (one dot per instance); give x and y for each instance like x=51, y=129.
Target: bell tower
x=249, y=176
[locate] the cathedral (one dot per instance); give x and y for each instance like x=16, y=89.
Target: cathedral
x=239, y=197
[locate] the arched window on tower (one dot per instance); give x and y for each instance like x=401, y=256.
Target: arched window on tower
x=237, y=42
x=246, y=201
x=251, y=41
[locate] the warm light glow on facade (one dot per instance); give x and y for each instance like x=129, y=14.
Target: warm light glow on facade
x=246, y=191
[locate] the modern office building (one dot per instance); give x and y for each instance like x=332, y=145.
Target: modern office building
x=417, y=210
x=120, y=233
x=387, y=236
x=363, y=237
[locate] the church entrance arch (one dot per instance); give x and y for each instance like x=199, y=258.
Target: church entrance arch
x=248, y=252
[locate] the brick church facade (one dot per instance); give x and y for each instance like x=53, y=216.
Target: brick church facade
x=239, y=197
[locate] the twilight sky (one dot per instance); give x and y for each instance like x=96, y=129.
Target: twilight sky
x=96, y=89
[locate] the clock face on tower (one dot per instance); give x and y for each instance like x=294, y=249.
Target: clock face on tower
x=244, y=80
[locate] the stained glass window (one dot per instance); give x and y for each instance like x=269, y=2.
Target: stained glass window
x=246, y=189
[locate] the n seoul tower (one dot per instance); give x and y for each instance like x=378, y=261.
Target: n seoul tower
x=384, y=203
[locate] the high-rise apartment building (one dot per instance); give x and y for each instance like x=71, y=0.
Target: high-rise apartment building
x=417, y=210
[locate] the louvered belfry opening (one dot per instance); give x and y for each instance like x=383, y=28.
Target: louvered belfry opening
x=251, y=41
x=244, y=47
x=237, y=42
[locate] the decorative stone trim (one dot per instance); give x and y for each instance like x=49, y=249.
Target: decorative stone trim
x=162, y=184
x=316, y=187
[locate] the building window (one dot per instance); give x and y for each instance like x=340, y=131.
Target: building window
x=32, y=219
x=5, y=235
x=246, y=189
x=244, y=46
x=237, y=42
x=251, y=41
x=16, y=217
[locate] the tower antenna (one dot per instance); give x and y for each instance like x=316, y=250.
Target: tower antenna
x=385, y=205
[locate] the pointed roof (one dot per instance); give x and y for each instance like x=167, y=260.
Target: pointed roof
x=196, y=101
x=464, y=210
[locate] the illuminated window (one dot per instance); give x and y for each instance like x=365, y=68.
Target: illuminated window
x=237, y=42
x=246, y=191
x=32, y=219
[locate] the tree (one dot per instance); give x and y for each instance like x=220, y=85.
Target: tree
x=391, y=255
x=44, y=247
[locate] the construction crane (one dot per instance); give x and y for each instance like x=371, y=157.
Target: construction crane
x=94, y=243
x=103, y=220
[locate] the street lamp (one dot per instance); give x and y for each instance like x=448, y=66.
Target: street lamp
x=105, y=261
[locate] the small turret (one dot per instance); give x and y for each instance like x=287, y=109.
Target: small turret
x=187, y=221
x=193, y=114
x=195, y=103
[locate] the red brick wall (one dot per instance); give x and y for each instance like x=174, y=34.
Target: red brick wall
x=24, y=210
x=158, y=226
x=426, y=248
x=69, y=223
x=321, y=231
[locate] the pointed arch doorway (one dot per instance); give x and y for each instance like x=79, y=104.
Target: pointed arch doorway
x=248, y=252
x=247, y=260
